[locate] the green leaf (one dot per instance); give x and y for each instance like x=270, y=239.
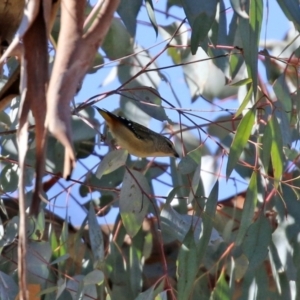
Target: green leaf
x=182, y=183
x=238, y=7
x=241, y=82
x=261, y=277
x=267, y=63
x=191, y=253
x=111, y=162
x=134, y=201
x=188, y=265
x=8, y=287
x=37, y=259
x=200, y=28
x=245, y=101
x=195, y=183
x=146, y=295
x=117, y=42
x=10, y=233
x=144, y=95
x=60, y=259
x=236, y=62
x=135, y=256
x=175, y=226
x=9, y=178
x=283, y=117
x=54, y=154
x=63, y=239
x=241, y=137
x=279, y=272
x=189, y=163
x=151, y=15
x=291, y=10
x=94, y=277
x=222, y=290
x=250, y=35
x=171, y=3
x=129, y=16
x=241, y=264
x=276, y=151
x=208, y=219
x=282, y=92
x=172, y=194
x=257, y=241
x=248, y=209
x=84, y=148
x=193, y=9
x=53, y=242
x=223, y=126
x=267, y=141
x=227, y=220
x=96, y=238
x=107, y=182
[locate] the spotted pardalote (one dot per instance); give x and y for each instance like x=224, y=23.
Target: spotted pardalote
x=137, y=139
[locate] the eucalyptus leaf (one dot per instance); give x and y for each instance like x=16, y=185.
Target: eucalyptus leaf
x=118, y=42
x=129, y=15
x=96, y=238
x=187, y=265
x=111, y=162
x=250, y=34
x=144, y=95
x=241, y=137
x=134, y=201
x=257, y=241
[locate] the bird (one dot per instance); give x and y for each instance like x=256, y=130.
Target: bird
x=137, y=139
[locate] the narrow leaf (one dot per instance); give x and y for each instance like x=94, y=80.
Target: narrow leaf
x=151, y=15
x=193, y=253
x=241, y=82
x=208, y=219
x=245, y=101
x=60, y=259
x=257, y=241
x=147, y=295
x=292, y=11
x=248, y=208
x=276, y=151
x=134, y=201
x=176, y=226
x=222, y=290
x=250, y=35
x=267, y=145
x=238, y=7
x=111, y=162
x=189, y=163
x=129, y=16
x=241, y=137
x=94, y=277
x=96, y=238
x=195, y=184
x=200, y=29
x=187, y=265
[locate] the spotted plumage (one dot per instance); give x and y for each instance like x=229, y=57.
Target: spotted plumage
x=136, y=138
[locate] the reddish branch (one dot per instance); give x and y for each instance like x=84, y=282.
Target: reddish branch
x=75, y=53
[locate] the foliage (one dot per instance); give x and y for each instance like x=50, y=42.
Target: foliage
x=237, y=131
